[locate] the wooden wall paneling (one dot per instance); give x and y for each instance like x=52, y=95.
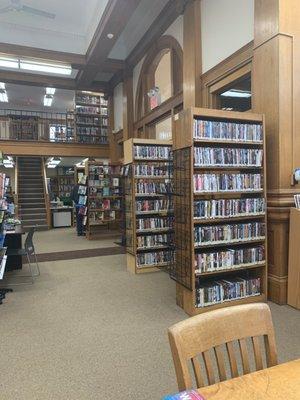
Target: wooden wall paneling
x=276, y=93
x=294, y=260
x=192, y=65
x=128, y=106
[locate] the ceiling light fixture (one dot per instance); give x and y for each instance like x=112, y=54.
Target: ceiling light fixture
x=53, y=162
x=48, y=100
x=44, y=67
x=50, y=90
x=236, y=93
x=9, y=62
x=110, y=35
x=2, y=85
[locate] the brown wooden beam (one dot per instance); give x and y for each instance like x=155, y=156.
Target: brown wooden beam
x=53, y=149
x=114, y=20
x=23, y=78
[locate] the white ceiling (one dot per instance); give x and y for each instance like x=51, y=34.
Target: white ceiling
x=139, y=23
x=31, y=98
x=70, y=31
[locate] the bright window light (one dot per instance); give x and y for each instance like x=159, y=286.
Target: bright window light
x=3, y=96
x=44, y=67
x=50, y=90
x=2, y=85
x=9, y=62
x=48, y=100
x=236, y=93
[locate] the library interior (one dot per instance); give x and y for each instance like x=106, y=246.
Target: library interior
x=150, y=199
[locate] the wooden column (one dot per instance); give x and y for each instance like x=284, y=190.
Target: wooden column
x=192, y=54
x=128, y=105
x=276, y=93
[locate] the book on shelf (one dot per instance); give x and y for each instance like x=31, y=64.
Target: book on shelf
x=227, y=157
x=228, y=208
x=215, y=234
x=154, y=258
x=82, y=200
x=224, y=290
x=152, y=152
x=225, y=182
x=155, y=223
x=227, y=130
x=229, y=259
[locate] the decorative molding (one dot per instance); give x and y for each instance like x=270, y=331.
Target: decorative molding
x=146, y=78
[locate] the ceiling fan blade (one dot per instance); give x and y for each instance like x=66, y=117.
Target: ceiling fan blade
x=6, y=9
x=36, y=11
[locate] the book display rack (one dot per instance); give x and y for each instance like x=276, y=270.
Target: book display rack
x=104, y=198
x=219, y=207
x=91, y=117
x=148, y=205
x=65, y=185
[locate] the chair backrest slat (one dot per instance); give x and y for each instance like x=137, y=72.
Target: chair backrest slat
x=206, y=335
x=220, y=363
x=208, y=367
x=232, y=360
x=257, y=353
x=197, y=372
x=245, y=356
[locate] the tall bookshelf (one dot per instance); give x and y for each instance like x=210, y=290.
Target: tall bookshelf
x=148, y=205
x=91, y=117
x=219, y=205
x=104, y=198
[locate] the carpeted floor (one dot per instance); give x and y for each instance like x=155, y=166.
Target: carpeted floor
x=88, y=330
x=65, y=239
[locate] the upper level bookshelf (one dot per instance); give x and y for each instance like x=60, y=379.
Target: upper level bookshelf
x=91, y=117
x=219, y=206
x=148, y=204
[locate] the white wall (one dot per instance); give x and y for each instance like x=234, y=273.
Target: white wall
x=176, y=30
x=226, y=25
x=118, y=107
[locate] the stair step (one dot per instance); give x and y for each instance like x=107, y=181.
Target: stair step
x=34, y=203
x=33, y=219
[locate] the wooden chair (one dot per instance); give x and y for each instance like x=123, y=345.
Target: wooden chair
x=219, y=338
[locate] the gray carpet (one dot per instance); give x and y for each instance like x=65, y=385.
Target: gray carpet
x=89, y=330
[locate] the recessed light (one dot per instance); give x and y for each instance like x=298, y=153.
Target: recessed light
x=110, y=35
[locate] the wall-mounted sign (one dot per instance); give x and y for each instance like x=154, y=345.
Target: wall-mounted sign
x=154, y=96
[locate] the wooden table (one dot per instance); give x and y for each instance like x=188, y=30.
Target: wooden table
x=280, y=382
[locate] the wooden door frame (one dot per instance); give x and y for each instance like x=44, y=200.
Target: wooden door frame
x=225, y=74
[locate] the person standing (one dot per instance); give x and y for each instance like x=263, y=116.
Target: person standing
x=79, y=209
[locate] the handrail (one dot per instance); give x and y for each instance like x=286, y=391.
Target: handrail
x=46, y=194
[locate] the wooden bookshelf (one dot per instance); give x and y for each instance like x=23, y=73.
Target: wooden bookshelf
x=154, y=245
x=91, y=117
x=104, y=198
x=203, y=261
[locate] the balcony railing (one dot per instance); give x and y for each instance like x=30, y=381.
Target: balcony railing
x=55, y=127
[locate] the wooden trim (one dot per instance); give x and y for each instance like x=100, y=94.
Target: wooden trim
x=34, y=148
x=156, y=114
x=151, y=61
x=226, y=72
x=114, y=19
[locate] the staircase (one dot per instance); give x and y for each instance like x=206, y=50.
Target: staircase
x=32, y=209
